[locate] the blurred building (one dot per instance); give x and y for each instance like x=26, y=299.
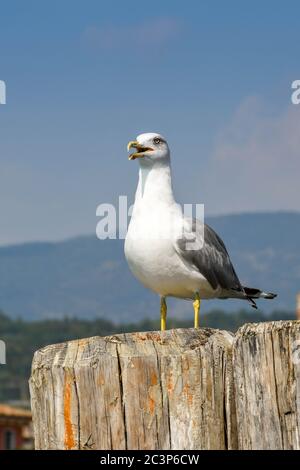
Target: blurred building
x=298, y=307
x=15, y=428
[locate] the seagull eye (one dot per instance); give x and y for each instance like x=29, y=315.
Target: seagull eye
x=157, y=140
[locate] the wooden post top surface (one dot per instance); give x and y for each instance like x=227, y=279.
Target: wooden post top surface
x=167, y=342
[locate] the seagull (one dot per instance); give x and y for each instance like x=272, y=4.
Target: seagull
x=169, y=253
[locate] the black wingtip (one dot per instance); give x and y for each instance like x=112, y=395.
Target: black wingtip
x=253, y=304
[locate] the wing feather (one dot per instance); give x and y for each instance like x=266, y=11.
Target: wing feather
x=212, y=259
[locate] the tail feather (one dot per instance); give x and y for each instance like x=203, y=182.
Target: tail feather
x=253, y=304
x=258, y=294
x=252, y=293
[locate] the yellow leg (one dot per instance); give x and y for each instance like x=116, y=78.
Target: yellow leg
x=163, y=314
x=196, y=305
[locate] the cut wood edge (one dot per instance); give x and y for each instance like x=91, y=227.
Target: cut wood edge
x=67, y=371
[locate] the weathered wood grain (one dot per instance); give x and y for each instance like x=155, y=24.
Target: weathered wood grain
x=158, y=390
x=266, y=364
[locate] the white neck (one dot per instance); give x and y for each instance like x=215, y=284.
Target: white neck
x=155, y=184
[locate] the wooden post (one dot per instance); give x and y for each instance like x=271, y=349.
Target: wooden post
x=169, y=390
x=180, y=389
x=266, y=363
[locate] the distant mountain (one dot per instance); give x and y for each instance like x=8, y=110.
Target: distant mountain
x=89, y=278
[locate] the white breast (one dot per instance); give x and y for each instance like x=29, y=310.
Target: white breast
x=150, y=245
x=152, y=258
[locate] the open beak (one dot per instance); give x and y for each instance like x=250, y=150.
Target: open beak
x=141, y=150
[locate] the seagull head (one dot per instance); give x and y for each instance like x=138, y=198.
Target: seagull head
x=149, y=148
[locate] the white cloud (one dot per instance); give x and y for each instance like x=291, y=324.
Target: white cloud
x=255, y=164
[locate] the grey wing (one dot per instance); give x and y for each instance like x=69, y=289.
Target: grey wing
x=211, y=259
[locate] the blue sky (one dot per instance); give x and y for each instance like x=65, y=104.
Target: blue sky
x=83, y=78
